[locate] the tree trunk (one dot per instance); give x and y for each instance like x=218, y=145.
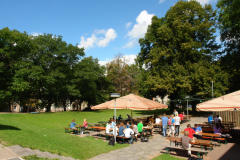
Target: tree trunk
x=89, y=106
x=49, y=107
x=194, y=104
x=80, y=105
x=64, y=105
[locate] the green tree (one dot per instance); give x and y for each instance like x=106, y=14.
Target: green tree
x=91, y=81
x=179, y=51
x=229, y=24
x=14, y=48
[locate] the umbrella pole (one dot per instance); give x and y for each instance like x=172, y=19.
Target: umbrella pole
x=131, y=115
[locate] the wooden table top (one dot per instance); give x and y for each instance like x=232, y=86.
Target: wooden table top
x=95, y=127
x=206, y=134
x=197, y=141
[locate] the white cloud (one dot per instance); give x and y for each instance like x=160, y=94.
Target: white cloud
x=128, y=24
x=130, y=44
x=109, y=36
x=36, y=34
x=96, y=40
x=129, y=59
x=140, y=28
x=161, y=1
x=203, y=2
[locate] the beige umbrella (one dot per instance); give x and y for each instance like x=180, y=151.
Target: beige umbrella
x=227, y=102
x=132, y=102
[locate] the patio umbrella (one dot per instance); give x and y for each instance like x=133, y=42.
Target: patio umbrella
x=132, y=102
x=227, y=102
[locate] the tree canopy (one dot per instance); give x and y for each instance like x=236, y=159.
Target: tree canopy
x=179, y=51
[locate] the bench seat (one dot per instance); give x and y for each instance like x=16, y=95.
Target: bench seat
x=200, y=152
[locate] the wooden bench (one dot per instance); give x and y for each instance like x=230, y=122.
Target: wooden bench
x=74, y=130
x=199, y=152
x=111, y=135
x=210, y=129
x=216, y=138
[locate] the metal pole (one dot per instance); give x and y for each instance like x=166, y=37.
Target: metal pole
x=115, y=120
x=212, y=89
x=187, y=108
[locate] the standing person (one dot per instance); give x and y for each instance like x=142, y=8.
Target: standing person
x=84, y=125
x=174, y=112
x=128, y=132
x=190, y=131
x=217, y=119
x=172, y=126
x=177, y=120
x=140, y=126
x=164, y=124
x=186, y=142
x=129, y=117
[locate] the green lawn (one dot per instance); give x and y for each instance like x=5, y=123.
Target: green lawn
x=45, y=131
x=166, y=157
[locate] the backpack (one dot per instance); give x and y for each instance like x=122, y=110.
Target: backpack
x=111, y=141
x=144, y=139
x=169, y=121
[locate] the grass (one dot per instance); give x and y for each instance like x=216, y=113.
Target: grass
x=166, y=157
x=34, y=157
x=45, y=131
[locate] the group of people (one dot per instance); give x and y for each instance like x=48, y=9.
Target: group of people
x=73, y=125
x=120, y=118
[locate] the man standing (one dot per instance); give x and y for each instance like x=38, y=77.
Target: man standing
x=164, y=124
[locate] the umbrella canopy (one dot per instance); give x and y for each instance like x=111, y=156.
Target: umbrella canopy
x=224, y=103
x=132, y=102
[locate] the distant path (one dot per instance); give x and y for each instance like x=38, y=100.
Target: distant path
x=144, y=150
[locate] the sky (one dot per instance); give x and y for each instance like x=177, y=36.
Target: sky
x=104, y=28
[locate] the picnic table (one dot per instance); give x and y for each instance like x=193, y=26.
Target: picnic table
x=101, y=122
x=197, y=142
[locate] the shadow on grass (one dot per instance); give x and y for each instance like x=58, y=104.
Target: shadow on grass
x=6, y=127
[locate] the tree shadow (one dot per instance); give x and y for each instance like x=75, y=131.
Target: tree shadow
x=233, y=152
x=7, y=127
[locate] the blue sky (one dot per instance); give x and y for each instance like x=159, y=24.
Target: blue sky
x=103, y=27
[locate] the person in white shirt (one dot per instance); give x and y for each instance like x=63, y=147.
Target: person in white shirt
x=175, y=112
x=177, y=124
x=128, y=132
x=217, y=119
x=108, y=128
x=157, y=120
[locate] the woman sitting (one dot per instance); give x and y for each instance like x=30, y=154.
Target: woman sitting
x=73, y=124
x=84, y=125
x=218, y=128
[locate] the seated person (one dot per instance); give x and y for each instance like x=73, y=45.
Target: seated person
x=127, y=125
x=128, y=132
x=190, y=131
x=151, y=119
x=111, y=130
x=218, y=128
x=108, y=127
x=129, y=117
x=121, y=129
x=84, y=125
x=155, y=116
x=181, y=115
x=135, y=130
x=197, y=128
x=119, y=117
x=186, y=142
x=158, y=120
x=112, y=123
x=150, y=125
x=140, y=127
x=73, y=124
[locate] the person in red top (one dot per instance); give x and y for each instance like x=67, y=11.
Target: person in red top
x=181, y=116
x=84, y=125
x=190, y=130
